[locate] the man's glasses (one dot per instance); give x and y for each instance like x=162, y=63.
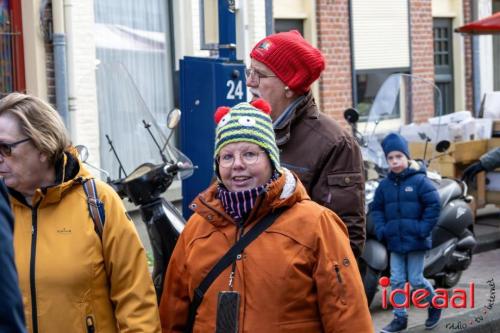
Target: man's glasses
x=6, y=148
x=248, y=157
x=255, y=76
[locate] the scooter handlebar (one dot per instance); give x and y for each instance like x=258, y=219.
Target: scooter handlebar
x=170, y=169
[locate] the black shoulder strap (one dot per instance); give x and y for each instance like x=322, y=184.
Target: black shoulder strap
x=96, y=207
x=225, y=261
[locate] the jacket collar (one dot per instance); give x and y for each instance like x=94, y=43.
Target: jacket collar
x=305, y=108
x=414, y=167
x=285, y=191
x=68, y=170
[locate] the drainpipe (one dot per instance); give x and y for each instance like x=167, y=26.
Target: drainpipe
x=68, y=26
x=476, y=66
x=59, y=45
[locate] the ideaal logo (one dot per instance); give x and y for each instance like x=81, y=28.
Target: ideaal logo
x=456, y=298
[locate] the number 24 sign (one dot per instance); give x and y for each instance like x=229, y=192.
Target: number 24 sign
x=235, y=89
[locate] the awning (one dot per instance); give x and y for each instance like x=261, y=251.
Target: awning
x=485, y=26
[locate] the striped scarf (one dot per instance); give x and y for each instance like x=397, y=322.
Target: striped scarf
x=239, y=204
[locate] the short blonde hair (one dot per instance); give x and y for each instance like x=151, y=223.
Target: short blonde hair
x=40, y=122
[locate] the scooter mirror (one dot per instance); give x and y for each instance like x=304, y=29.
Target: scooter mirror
x=442, y=146
x=351, y=115
x=173, y=118
x=83, y=152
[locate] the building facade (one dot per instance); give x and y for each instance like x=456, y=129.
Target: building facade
x=121, y=57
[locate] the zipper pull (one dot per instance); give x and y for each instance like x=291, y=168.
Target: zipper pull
x=337, y=270
x=90, y=324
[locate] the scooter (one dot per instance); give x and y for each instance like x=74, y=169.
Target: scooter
x=144, y=187
x=453, y=239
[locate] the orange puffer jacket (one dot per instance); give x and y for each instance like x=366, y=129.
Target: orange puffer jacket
x=298, y=276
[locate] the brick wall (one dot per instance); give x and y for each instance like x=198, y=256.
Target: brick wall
x=467, y=49
x=333, y=40
x=422, y=58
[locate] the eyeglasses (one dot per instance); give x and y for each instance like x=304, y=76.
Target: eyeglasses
x=248, y=157
x=254, y=75
x=6, y=148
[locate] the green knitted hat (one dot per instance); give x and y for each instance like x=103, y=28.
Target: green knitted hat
x=246, y=122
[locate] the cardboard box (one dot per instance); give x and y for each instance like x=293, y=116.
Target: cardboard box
x=496, y=128
x=444, y=167
x=493, y=197
x=460, y=152
x=493, y=143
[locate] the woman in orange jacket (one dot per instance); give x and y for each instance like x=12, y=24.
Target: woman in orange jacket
x=299, y=275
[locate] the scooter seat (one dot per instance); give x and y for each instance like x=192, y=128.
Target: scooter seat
x=448, y=190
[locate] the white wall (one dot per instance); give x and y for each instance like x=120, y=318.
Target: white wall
x=85, y=118
x=34, y=50
x=485, y=50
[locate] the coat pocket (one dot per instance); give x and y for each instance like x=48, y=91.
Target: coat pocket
x=345, y=179
x=340, y=282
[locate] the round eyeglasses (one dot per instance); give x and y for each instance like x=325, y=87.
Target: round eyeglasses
x=255, y=76
x=248, y=157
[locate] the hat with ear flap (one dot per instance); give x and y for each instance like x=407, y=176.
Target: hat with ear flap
x=246, y=122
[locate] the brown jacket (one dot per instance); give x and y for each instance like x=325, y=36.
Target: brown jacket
x=298, y=276
x=328, y=162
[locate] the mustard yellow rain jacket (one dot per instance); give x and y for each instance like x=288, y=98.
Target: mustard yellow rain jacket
x=71, y=281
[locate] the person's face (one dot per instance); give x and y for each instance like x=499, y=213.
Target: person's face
x=269, y=88
x=397, y=161
x=251, y=166
x=22, y=169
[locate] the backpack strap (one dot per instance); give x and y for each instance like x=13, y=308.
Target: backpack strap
x=96, y=206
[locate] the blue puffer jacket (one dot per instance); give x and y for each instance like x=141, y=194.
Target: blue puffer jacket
x=405, y=209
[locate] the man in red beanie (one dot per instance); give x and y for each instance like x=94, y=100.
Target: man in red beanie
x=326, y=157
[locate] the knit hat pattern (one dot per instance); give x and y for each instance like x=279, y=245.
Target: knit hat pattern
x=294, y=61
x=245, y=122
x=395, y=142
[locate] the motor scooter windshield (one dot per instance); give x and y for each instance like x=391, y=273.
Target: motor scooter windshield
x=126, y=118
x=403, y=104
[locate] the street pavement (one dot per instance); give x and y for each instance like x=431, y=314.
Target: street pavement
x=485, y=267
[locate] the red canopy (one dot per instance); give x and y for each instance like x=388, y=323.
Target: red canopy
x=484, y=26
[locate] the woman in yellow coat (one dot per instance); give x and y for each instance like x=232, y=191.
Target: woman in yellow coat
x=71, y=280
x=299, y=275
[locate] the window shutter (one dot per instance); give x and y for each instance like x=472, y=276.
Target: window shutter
x=380, y=31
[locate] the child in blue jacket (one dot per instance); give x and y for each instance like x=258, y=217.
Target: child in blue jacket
x=405, y=209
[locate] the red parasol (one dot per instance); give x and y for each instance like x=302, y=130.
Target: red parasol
x=484, y=26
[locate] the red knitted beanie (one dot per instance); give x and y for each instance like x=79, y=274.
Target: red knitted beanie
x=296, y=62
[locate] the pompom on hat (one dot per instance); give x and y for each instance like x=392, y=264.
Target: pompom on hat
x=395, y=142
x=246, y=122
x=294, y=61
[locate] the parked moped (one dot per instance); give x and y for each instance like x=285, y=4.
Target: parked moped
x=139, y=134
x=453, y=237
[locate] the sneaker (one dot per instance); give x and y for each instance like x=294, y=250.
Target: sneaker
x=433, y=319
x=398, y=324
